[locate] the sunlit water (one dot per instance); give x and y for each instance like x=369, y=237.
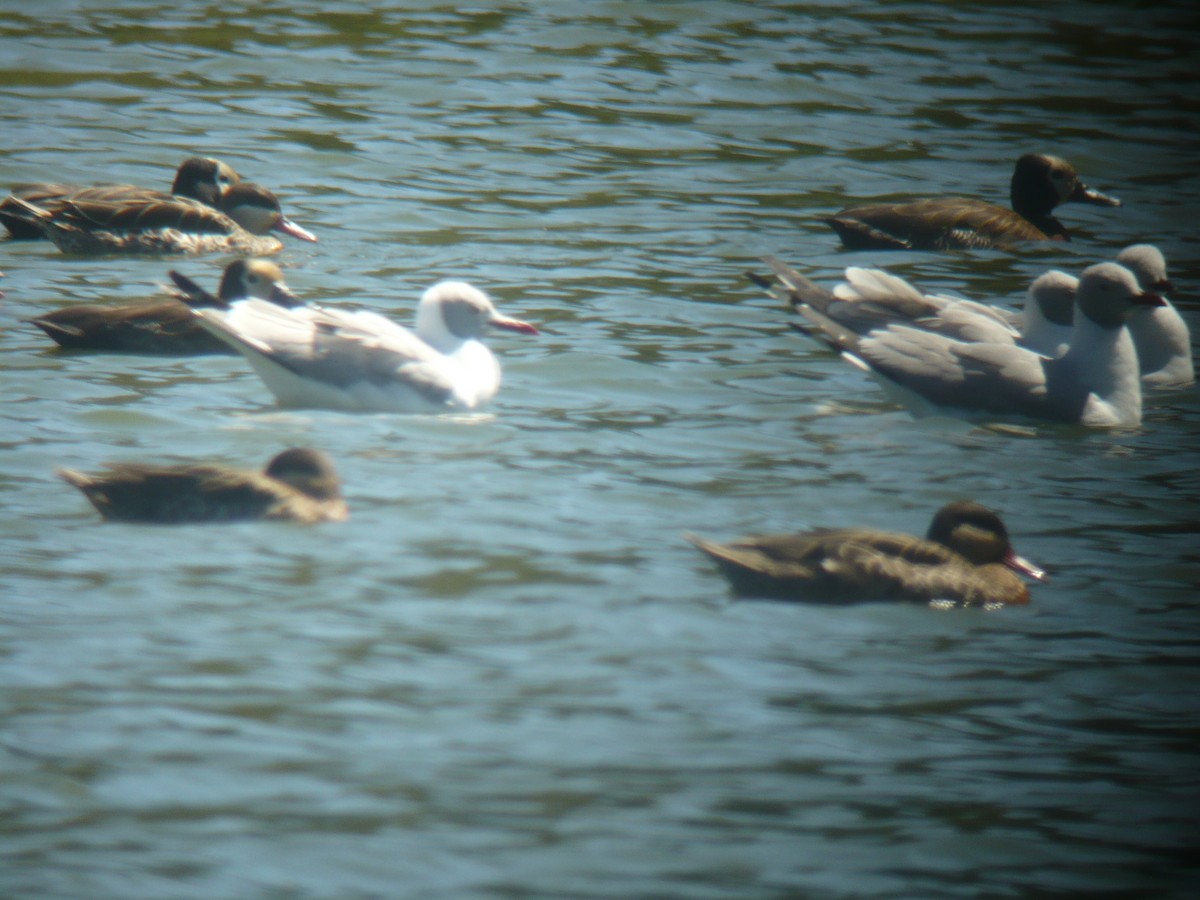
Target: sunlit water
x=508, y=675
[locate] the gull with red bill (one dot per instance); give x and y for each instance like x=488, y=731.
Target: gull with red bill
x=317, y=357
x=1097, y=381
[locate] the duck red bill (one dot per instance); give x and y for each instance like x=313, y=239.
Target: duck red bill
x=1149, y=298
x=1087, y=195
x=287, y=226
x=1025, y=567
x=512, y=325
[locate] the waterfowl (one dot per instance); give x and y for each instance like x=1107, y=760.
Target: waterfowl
x=1096, y=382
x=199, y=178
x=1049, y=313
x=1039, y=184
x=1161, y=336
x=325, y=358
x=161, y=224
x=965, y=559
x=163, y=327
x=873, y=298
x=298, y=485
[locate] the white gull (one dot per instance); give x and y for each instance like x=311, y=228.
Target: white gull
x=873, y=298
x=1096, y=382
x=1163, y=342
x=317, y=357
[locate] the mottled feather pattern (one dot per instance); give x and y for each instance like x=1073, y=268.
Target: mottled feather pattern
x=189, y=216
x=965, y=559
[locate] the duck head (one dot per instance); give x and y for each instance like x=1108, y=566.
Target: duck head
x=977, y=533
x=257, y=210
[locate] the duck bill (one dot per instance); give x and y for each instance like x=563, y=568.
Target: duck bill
x=287, y=226
x=1023, y=566
x=1149, y=298
x=512, y=325
x=1085, y=194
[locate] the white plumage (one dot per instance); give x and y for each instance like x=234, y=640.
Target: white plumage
x=313, y=356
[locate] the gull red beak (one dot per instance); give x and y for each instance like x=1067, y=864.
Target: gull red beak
x=512, y=325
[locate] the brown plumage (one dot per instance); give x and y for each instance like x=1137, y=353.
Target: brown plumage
x=163, y=327
x=298, y=485
x=965, y=558
x=1039, y=184
x=161, y=223
x=199, y=178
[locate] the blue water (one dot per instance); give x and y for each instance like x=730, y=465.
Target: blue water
x=508, y=675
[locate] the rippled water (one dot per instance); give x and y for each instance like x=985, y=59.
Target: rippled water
x=507, y=675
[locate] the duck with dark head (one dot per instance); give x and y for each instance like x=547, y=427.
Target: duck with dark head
x=964, y=559
x=1039, y=184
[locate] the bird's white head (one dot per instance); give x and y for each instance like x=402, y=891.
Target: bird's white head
x=453, y=312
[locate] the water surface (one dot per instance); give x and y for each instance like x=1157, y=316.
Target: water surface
x=508, y=675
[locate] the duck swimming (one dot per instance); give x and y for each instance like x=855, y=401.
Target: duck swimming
x=298, y=485
x=1039, y=184
x=198, y=178
x=965, y=558
x=163, y=327
x=162, y=224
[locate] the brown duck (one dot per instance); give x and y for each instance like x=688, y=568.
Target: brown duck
x=162, y=224
x=965, y=558
x=1039, y=184
x=199, y=178
x=298, y=485
x=164, y=327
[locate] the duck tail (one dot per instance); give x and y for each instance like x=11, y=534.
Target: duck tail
x=193, y=295
x=81, y=480
x=61, y=333
x=24, y=219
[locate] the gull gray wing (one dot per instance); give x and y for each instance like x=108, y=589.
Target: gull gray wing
x=995, y=377
x=331, y=347
x=967, y=320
